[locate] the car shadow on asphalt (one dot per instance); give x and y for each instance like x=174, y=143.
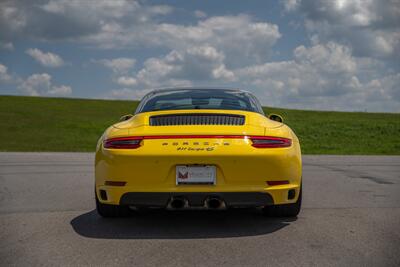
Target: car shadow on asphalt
x=162, y=224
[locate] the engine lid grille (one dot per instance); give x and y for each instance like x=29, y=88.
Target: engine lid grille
x=196, y=119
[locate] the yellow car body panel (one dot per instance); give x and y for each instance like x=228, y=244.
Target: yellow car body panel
x=240, y=167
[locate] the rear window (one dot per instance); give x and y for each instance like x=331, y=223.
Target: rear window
x=199, y=99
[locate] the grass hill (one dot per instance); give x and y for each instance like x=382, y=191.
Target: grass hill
x=63, y=124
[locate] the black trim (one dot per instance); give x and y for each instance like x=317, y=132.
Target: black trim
x=197, y=119
x=103, y=194
x=231, y=199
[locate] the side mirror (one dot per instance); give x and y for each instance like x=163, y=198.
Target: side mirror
x=125, y=117
x=275, y=117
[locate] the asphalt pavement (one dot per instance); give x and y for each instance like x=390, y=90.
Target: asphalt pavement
x=350, y=217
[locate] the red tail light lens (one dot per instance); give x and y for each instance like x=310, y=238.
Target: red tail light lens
x=115, y=183
x=277, y=182
x=270, y=142
x=123, y=142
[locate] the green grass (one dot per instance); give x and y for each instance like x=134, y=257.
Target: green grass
x=58, y=124
x=351, y=133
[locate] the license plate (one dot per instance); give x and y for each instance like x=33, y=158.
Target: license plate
x=195, y=175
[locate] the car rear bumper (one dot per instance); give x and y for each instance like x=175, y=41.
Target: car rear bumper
x=240, y=169
x=241, y=197
x=196, y=199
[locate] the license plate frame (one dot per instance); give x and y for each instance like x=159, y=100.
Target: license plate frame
x=195, y=174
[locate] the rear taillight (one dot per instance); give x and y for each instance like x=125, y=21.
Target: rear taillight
x=270, y=142
x=133, y=142
x=123, y=142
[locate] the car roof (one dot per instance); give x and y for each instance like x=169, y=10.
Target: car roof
x=173, y=89
x=207, y=90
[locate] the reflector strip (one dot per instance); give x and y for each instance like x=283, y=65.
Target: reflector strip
x=133, y=142
x=278, y=182
x=193, y=136
x=115, y=183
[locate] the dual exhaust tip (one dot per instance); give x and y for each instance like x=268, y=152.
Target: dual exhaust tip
x=214, y=203
x=178, y=202
x=210, y=202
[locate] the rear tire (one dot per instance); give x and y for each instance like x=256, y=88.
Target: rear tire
x=285, y=210
x=111, y=211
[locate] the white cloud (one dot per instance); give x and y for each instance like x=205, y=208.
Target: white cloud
x=323, y=76
x=45, y=59
x=126, y=81
x=331, y=57
x=12, y=18
x=370, y=27
x=290, y=5
x=242, y=40
x=176, y=69
x=121, y=24
x=157, y=10
x=127, y=94
x=56, y=7
x=118, y=65
x=4, y=76
x=36, y=19
x=105, y=9
x=385, y=88
x=6, y=46
x=181, y=68
x=36, y=83
x=41, y=85
x=222, y=73
x=61, y=90
x=132, y=24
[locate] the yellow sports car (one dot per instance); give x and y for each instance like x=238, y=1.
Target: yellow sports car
x=198, y=149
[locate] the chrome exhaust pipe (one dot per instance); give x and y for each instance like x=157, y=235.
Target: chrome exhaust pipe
x=214, y=203
x=177, y=203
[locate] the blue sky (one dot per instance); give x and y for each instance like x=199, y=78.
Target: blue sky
x=327, y=55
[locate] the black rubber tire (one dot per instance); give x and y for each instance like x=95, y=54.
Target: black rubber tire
x=111, y=211
x=286, y=210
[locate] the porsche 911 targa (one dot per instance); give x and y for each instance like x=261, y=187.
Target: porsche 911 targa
x=198, y=149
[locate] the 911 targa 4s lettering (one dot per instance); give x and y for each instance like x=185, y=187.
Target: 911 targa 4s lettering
x=198, y=148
